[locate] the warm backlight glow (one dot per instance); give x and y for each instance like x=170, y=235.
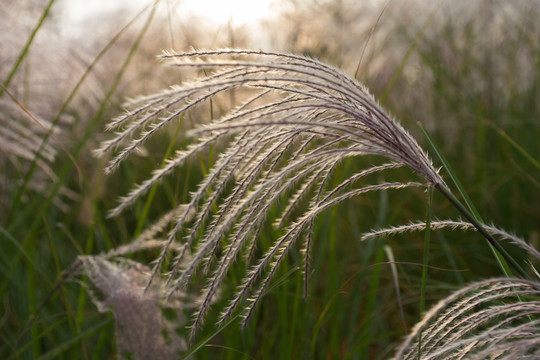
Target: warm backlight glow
x=222, y=11
x=219, y=12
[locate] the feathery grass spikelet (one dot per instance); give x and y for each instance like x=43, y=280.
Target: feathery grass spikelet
x=452, y=225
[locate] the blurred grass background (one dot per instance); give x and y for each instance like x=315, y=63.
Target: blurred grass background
x=470, y=71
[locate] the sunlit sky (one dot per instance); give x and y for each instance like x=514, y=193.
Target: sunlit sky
x=218, y=11
x=221, y=11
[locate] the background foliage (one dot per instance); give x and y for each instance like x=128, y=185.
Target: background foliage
x=470, y=72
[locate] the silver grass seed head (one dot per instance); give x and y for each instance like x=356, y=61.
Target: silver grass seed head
x=295, y=106
x=319, y=87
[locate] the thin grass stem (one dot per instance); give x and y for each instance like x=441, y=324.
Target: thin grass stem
x=427, y=241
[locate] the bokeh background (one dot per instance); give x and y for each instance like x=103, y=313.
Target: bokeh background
x=468, y=70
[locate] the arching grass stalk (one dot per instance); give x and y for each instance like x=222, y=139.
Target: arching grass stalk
x=472, y=215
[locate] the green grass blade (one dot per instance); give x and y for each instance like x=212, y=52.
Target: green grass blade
x=452, y=174
x=471, y=214
x=5, y=85
x=24, y=51
x=53, y=354
x=518, y=147
x=209, y=337
x=24, y=253
x=319, y=323
x=16, y=203
x=405, y=59
x=89, y=130
x=427, y=241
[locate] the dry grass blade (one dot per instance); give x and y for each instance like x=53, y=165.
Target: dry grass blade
x=300, y=118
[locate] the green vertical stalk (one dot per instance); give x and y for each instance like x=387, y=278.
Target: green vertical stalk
x=24, y=51
x=427, y=241
x=410, y=51
x=31, y=291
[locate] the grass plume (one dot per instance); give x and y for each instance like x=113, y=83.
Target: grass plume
x=302, y=118
x=485, y=319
